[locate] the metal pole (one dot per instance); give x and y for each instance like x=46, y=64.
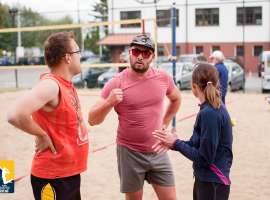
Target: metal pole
x=174, y=49
x=19, y=25
x=143, y=30
x=244, y=13
x=14, y=37
x=79, y=29
x=186, y=26
x=155, y=29
x=16, y=78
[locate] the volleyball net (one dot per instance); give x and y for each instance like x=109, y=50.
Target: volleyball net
x=100, y=42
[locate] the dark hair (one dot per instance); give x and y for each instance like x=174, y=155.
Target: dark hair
x=207, y=78
x=56, y=46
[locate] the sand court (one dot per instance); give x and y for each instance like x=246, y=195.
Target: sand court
x=250, y=172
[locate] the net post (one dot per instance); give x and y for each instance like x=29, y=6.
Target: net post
x=143, y=29
x=16, y=78
x=155, y=35
x=174, y=50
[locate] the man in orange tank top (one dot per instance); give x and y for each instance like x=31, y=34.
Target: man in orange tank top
x=57, y=122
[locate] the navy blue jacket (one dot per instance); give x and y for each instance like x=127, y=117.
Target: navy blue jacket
x=210, y=147
x=223, y=77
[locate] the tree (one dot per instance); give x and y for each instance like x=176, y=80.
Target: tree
x=30, y=18
x=2, y=13
x=101, y=14
x=102, y=9
x=91, y=39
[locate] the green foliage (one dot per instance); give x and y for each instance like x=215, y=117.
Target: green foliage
x=31, y=18
x=2, y=12
x=90, y=41
x=102, y=9
x=101, y=14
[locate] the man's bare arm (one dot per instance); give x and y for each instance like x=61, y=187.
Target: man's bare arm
x=19, y=114
x=100, y=110
x=174, y=105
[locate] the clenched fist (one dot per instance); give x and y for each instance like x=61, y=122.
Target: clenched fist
x=115, y=97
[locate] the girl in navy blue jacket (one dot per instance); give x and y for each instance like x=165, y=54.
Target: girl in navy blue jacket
x=210, y=147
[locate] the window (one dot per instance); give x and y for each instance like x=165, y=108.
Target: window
x=239, y=50
x=253, y=16
x=184, y=70
x=177, y=51
x=190, y=68
x=257, y=50
x=215, y=48
x=198, y=49
x=130, y=15
x=164, y=18
x=207, y=17
x=160, y=50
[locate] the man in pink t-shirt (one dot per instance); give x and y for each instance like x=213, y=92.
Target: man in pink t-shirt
x=137, y=95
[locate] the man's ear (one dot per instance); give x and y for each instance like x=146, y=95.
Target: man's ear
x=66, y=58
x=153, y=56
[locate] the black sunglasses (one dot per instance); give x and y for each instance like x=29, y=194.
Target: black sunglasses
x=73, y=52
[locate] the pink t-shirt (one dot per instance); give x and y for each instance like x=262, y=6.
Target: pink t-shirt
x=141, y=111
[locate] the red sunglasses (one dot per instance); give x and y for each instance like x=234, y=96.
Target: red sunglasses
x=137, y=52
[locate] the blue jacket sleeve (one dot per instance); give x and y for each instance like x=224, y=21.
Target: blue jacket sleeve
x=209, y=138
x=190, y=142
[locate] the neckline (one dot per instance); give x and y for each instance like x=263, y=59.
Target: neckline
x=149, y=73
x=58, y=77
x=200, y=104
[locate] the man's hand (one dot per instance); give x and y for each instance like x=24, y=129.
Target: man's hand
x=165, y=138
x=115, y=97
x=159, y=147
x=43, y=143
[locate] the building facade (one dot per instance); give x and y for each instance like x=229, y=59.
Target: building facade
x=202, y=27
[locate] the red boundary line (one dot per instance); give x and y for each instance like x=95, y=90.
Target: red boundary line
x=16, y=179
x=193, y=115
x=101, y=147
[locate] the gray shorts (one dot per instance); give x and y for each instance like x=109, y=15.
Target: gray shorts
x=135, y=167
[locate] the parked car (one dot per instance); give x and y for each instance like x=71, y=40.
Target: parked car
x=235, y=59
x=22, y=60
x=265, y=71
x=260, y=65
x=160, y=60
x=91, y=60
x=7, y=60
x=183, y=73
x=192, y=58
x=36, y=60
x=88, y=77
x=236, y=78
x=105, y=77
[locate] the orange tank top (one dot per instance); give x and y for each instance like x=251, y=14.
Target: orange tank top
x=65, y=126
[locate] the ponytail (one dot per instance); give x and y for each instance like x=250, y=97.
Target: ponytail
x=206, y=77
x=212, y=96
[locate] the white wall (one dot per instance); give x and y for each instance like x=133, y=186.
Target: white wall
x=227, y=31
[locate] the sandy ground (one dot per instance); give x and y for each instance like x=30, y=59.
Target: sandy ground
x=250, y=172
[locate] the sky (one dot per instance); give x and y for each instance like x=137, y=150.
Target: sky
x=41, y=6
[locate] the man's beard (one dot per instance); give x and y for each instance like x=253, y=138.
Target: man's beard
x=139, y=69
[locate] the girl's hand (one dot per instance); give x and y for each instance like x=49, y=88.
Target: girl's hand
x=159, y=147
x=165, y=138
